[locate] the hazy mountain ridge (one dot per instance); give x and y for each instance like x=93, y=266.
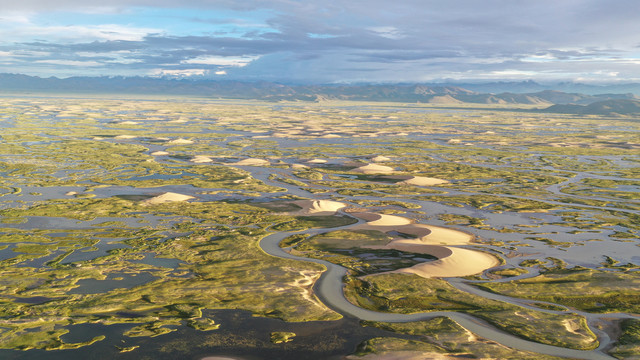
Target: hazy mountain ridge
x=606, y=107
x=415, y=93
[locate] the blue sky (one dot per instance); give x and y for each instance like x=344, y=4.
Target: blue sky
x=329, y=41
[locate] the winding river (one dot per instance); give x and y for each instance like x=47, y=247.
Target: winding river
x=329, y=288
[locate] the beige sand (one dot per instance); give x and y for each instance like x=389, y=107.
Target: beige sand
x=452, y=261
x=408, y=355
x=125, y=137
x=167, y=197
x=380, y=158
x=71, y=193
x=417, y=180
x=201, y=159
x=251, y=162
x=180, y=141
x=317, y=207
x=331, y=136
x=159, y=153
x=317, y=161
x=373, y=169
x=128, y=122
x=299, y=166
x=374, y=219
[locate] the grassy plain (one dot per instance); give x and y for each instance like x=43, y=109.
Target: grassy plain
x=78, y=245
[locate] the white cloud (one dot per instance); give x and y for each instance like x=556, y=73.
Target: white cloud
x=69, y=62
x=237, y=61
x=389, y=32
x=221, y=72
x=179, y=73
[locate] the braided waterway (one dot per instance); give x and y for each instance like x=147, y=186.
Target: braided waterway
x=329, y=288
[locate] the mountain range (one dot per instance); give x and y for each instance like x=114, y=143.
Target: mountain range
x=551, y=99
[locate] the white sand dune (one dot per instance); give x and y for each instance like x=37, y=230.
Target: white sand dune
x=159, y=153
x=417, y=180
x=380, y=158
x=125, y=137
x=251, y=162
x=317, y=207
x=128, y=122
x=167, y=197
x=201, y=159
x=432, y=240
x=374, y=219
x=452, y=261
x=317, y=161
x=373, y=169
x=180, y=141
x=409, y=355
x=330, y=136
x=299, y=166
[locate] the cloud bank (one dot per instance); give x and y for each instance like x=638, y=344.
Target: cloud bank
x=325, y=41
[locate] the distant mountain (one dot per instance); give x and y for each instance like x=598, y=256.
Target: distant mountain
x=606, y=107
x=411, y=93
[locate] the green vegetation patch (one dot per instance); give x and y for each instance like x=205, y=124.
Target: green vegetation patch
x=584, y=289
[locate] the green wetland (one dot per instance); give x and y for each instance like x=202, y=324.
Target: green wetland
x=165, y=228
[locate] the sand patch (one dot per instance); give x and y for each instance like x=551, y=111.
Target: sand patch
x=408, y=355
x=380, y=158
x=252, y=162
x=167, y=197
x=317, y=161
x=201, y=159
x=159, y=153
x=299, y=166
x=128, y=122
x=452, y=261
x=417, y=180
x=125, y=137
x=317, y=207
x=374, y=219
x=373, y=169
x=180, y=141
x=432, y=240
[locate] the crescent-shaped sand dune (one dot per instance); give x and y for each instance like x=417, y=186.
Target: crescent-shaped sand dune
x=432, y=240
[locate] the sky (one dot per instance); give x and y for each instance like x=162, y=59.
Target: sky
x=325, y=41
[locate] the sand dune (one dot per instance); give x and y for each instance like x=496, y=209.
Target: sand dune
x=452, y=261
x=180, y=141
x=299, y=166
x=125, y=137
x=167, y=197
x=317, y=161
x=374, y=219
x=317, y=207
x=409, y=355
x=380, y=158
x=201, y=159
x=373, y=169
x=252, y=162
x=432, y=240
x=417, y=180
x=159, y=153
